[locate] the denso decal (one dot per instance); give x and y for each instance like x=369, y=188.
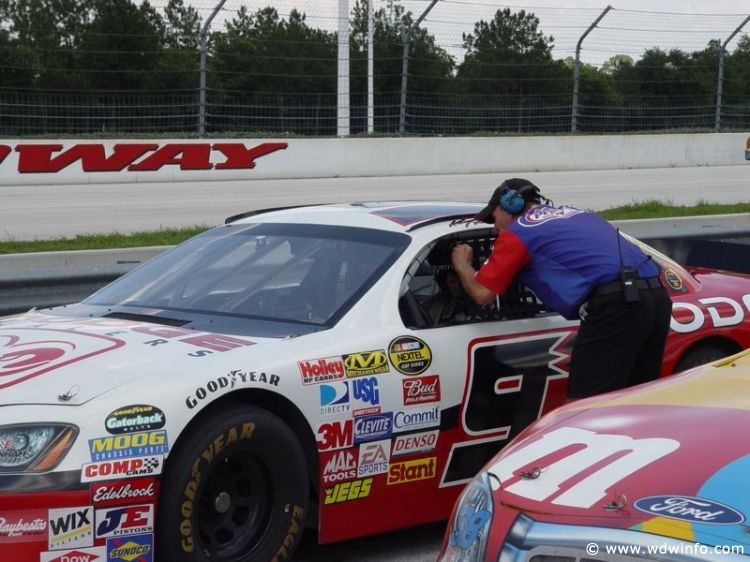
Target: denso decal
x=417, y=418
x=348, y=491
x=372, y=428
x=411, y=471
x=688, y=508
x=722, y=312
x=94, y=554
x=366, y=363
x=415, y=443
x=338, y=466
x=140, y=417
x=133, y=548
x=140, y=157
x=29, y=353
x=365, y=396
x=136, y=490
x=25, y=525
x=334, y=398
x=71, y=527
x=223, y=383
x=127, y=520
x=129, y=445
x=409, y=355
x=374, y=458
x=315, y=371
x=122, y=468
x=421, y=390
x=335, y=435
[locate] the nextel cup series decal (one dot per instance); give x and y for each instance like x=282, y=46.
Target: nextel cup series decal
x=410, y=355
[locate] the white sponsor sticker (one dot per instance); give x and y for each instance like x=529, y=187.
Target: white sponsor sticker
x=71, y=527
x=122, y=468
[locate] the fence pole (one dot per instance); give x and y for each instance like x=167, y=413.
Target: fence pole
x=370, y=72
x=203, y=47
x=342, y=103
x=577, y=71
x=720, y=82
x=406, y=39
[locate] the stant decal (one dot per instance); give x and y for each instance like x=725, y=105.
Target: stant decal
x=133, y=548
x=24, y=525
x=71, y=527
x=411, y=471
x=410, y=355
x=120, y=492
x=315, y=371
x=94, y=554
x=366, y=363
x=688, y=508
x=348, y=491
x=122, y=468
x=140, y=417
x=421, y=390
x=129, y=445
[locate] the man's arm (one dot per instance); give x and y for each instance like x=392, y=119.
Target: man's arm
x=461, y=257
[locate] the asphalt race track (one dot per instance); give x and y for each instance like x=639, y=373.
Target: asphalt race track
x=51, y=211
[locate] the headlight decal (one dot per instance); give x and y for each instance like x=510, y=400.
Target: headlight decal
x=34, y=447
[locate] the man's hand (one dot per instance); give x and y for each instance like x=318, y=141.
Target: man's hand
x=462, y=255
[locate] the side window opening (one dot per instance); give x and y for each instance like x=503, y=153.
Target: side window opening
x=432, y=295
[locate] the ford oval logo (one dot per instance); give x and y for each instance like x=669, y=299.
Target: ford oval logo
x=688, y=508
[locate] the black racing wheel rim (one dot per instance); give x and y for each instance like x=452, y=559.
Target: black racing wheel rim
x=234, y=507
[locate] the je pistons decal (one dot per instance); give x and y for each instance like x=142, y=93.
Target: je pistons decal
x=687, y=508
x=135, y=418
x=410, y=355
x=366, y=363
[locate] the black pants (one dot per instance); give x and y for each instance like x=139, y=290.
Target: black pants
x=619, y=344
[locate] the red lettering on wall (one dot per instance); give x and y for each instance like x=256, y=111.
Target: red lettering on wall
x=4, y=151
x=239, y=157
x=188, y=156
x=37, y=158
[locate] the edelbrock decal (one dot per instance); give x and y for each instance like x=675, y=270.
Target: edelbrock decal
x=692, y=509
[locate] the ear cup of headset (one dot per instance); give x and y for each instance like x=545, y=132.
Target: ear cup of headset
x=512, y=202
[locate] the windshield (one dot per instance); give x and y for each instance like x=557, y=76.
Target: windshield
x=281, y=272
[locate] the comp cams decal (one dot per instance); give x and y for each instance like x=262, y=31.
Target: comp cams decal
x=122, y=468
x=140, y=417
x=409, y=355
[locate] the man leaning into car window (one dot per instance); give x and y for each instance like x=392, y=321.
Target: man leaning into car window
x=581, y=267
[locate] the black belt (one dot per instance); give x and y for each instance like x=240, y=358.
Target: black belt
x=616, y=286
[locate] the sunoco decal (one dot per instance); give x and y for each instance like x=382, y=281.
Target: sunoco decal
x=140, y=417
x=410, y=355
x=366, y=363
x=135, y=548
x=687, y=508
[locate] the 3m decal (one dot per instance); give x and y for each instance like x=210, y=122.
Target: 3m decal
x=133, y=548
x=373, y=428
x=71, y=527
x=315, y=371
x=123, y=468
x=411, y=471
x=24, y=525
x=421, y=390
x=94, y=554
x=366, y=363
x=410, y=355
x=348, y=491
x=692, y=509
x=334, y=398
x=415, y=443
x=29, y=353
x=127, y=520
x=140, y=417
x=338, y=466
x=571, y=453
x=417, y=418
x=136, y=490
x=365, y=396
x=129, y=445
x=335, y=435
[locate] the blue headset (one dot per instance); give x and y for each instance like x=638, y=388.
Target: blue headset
x=512, y=201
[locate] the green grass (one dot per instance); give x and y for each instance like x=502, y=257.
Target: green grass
x=649, y=209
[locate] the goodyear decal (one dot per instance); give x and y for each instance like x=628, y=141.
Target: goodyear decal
x=366, y=363
x=410, y=355
x=348, y=491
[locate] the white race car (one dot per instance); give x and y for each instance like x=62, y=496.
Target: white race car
x=291, y=368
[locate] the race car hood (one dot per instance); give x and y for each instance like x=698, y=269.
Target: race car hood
x=47, y=359
x=668, y=458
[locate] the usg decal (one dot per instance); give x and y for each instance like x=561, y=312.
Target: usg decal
x=688, y=508
x=365, y=396
x=410, y=355
x=134, y=418
x=71, y=527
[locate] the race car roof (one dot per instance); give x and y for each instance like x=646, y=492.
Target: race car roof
x=400, y=216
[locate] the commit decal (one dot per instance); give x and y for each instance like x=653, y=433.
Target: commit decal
x=138, y=157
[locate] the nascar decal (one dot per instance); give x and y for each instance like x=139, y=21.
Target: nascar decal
x=366, y=363
x=232, y=379
x=135, y=418
x=71, y=527
x=133, y=548
x=415, y=442
x=335, y=435
x=347, y=491
x=240, y=432
x=122, y=468
x=691, y=509
x=28, y=353
x=128, y=445
x=95, y=554
x=365, y=396
x=23, y=525
x=374, y=458
x=338, y=466
x=543, y=213
x=409, y=355
x=126, y=520
x=334, y=398
x=120, y=492
x=673, y=279
x=421, y=390
x=411, y=471
x=315, y=371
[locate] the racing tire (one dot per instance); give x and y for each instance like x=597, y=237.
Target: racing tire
x=235, y=489
x=699, y=356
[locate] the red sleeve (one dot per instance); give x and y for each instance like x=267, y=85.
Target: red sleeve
x=509, y=256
